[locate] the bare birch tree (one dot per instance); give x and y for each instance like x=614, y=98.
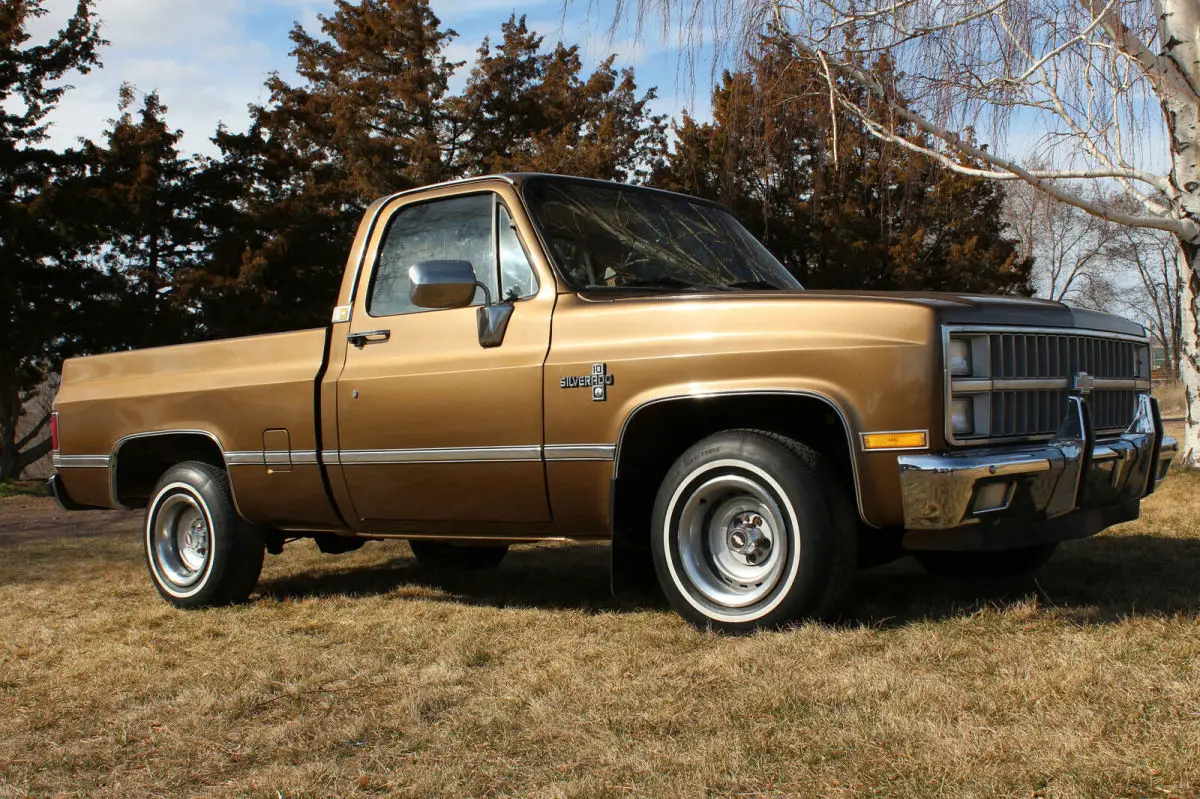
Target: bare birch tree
x=1106, y=90
x=1073, y=250
x=1157, y=291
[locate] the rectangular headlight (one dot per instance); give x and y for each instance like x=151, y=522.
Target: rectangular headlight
x=962, y=416
x=958, y=356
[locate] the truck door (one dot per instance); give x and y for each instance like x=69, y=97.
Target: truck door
x=432, y=426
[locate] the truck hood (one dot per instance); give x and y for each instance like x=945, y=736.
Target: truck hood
x=951, y=309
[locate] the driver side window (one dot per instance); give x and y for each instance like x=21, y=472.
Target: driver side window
x=457, y=228
x=517, y=278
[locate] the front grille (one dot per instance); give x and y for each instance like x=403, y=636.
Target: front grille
x=1039, y=412
x=1045, y=355
x=1026, y=413
x=1019, y=382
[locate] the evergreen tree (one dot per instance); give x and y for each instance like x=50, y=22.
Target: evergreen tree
x=372, y=103
x=282, y=201
x=529, y=110
x=47, y=289
x=372, y=114
x=141, y=196
x=866, y=214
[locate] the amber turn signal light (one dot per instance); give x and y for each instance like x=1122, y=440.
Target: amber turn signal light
x=913, y=439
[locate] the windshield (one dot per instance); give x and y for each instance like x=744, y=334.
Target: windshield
x=607, y=236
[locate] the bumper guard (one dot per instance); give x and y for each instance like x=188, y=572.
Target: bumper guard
x=1014, y=485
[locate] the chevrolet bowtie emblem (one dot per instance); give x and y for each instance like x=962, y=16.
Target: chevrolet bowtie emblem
x=1083, y=383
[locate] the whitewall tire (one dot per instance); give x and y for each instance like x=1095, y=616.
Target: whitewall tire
x=199, y=551
x=751, y=530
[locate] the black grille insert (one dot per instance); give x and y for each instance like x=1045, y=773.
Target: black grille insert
x=1027, y=376
x=1031, y=356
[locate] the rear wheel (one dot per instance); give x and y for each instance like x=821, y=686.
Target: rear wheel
x=444, y=555
x=1003, y=564
x=751, y=530
x=199, y=551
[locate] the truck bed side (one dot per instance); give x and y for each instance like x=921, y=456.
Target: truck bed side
x=252, y=399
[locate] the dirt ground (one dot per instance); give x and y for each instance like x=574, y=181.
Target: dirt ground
x=26, y=519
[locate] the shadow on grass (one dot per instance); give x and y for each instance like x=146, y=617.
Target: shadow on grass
x=1094, y=580
x=555, y=578
x=1101, y=579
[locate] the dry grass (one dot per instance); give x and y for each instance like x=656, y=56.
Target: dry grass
x=364, y=675
x=1171, y=400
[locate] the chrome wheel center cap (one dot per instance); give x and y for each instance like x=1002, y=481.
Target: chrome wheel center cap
x=196, y=538
x=749, y=541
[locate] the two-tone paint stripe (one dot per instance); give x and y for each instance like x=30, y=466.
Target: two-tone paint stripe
x=362, y=457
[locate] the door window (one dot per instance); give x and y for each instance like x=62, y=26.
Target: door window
x=517, y=278
x=458, y=228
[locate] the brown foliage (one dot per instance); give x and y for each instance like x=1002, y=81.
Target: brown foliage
x=373, y=115
x=840, y=208
x=48, y=293
x=529, y=110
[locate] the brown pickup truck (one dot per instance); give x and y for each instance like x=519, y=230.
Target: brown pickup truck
x=519, y=358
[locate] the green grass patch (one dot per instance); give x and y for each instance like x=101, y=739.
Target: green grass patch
x=23, y=488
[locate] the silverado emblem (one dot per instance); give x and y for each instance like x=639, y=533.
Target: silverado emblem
x=599, y=380
x=1083, y=383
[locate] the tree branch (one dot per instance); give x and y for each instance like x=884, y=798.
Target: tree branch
x=1041, y=62
x=1184, y=228
x=1161, y=70
x=1159, y=183
x=865, y=15
x=30, y=456
x=32, y=434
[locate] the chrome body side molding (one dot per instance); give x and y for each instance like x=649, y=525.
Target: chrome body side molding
x=513, y=454
x=834, y=406
x=121, y=442
x=448, y=455
x=580, y=452
x=81, y=461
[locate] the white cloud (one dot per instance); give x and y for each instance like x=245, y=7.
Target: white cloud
x=462, y=9
x=208, y=59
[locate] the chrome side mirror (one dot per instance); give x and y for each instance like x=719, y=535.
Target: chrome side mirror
x=442, y=284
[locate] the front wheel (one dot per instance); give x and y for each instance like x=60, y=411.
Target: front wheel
x=1004, y=564
x=200, y=552
x=752, y=530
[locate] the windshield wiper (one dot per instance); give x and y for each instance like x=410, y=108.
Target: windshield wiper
x=754, y=284
x=665, y=283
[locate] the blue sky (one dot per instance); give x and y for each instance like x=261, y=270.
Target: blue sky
x=208, y=58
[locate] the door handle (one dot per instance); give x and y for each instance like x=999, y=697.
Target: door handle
x=361, y=339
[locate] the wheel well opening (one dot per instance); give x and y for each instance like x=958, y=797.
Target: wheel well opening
x=658, y=434
x=140, y=463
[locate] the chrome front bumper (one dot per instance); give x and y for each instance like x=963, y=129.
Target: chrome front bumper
x=1013, y=485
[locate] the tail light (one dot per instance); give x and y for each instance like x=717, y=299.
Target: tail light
x=54, y=431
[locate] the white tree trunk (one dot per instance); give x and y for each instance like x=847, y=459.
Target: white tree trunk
x=1179, y=30
x=1189, y=270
